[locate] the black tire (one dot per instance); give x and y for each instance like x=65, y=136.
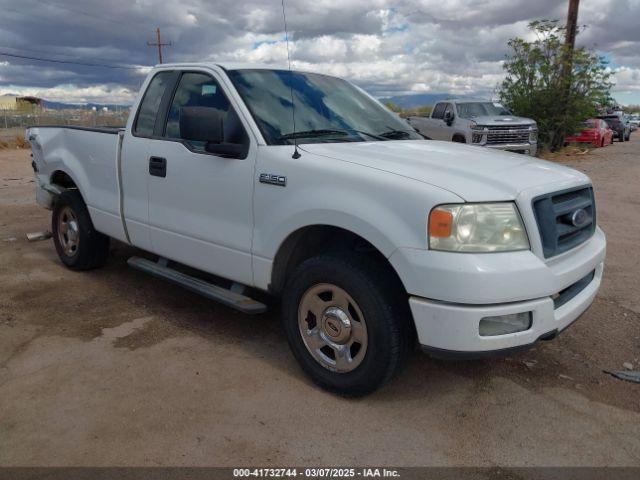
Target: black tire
x=91, y=247
x=458, y=139
x=384, y=306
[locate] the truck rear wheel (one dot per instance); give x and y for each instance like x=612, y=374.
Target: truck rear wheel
x=346, y=323
x=79, y=245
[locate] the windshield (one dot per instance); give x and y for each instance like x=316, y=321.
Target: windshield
x=327, y=109
x=481, y=109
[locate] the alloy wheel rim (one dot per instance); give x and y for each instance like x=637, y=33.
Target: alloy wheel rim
x=68, y=231
x=332, y=327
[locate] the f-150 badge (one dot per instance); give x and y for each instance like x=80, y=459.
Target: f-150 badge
x=272, y=179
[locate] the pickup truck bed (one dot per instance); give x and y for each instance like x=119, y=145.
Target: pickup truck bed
x=89, y=156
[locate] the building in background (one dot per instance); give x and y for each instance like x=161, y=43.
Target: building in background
x=16, y=103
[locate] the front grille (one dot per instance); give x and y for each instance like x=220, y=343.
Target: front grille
x=571, y=291
x=554, y=212
x=508, y=134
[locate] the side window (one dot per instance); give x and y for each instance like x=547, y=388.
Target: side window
x=202, y=91
x=148, y=111
x=449, y=108
x=438, y=111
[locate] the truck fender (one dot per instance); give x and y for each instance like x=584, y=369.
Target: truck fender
x=264, y=263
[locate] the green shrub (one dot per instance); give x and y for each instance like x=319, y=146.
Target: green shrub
x=535, y=86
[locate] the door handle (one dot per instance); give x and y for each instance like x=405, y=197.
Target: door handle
x=158, y=166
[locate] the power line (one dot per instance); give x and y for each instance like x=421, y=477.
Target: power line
x=40, y=52
x=81, y=12
x=69, y=62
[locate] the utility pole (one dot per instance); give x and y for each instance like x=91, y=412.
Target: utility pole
x=569, y=45
x=567, y=64
x=572, y=25
x=159, y=44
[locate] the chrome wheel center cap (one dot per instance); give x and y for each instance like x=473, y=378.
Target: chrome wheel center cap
x=336, y=325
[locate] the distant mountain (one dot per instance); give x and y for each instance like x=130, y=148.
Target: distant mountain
x=72, y=106
x=418, y=99
x=87, y=106
x=57, y=105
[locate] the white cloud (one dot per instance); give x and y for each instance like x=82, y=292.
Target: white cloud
x=627, y=80
x=73, y=94
x=386, y=46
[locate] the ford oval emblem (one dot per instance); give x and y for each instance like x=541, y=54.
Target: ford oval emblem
x=579, y=218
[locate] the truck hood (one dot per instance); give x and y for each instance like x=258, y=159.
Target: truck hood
x=475, y=174
x=504, y=120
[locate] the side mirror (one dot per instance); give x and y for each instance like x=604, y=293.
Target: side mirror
x=201, y=124
x=448, y=117
x=205, y=124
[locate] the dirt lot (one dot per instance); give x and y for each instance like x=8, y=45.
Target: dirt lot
x=113, y=367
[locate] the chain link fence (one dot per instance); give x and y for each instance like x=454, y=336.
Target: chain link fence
x=13, y=123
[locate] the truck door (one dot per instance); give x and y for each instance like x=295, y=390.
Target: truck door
x=200, y=203
x=437, y=123
x=447, y=131
x=134, y=169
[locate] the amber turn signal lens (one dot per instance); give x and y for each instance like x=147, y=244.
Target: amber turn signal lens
x=440, y=223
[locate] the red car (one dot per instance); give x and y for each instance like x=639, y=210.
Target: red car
x=595, y=131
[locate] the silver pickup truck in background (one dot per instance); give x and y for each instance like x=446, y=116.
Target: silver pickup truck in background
x=478, y=122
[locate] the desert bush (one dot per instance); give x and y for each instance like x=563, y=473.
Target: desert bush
x=20, y=142
x=535, y=87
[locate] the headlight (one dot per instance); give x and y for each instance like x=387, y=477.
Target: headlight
x=533, y=134
x=476, y=131
x=478, y=228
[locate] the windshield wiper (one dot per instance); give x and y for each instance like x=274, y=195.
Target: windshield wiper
x=313, y=133
x=372, y=135
x=395, y=134
x=322, y=132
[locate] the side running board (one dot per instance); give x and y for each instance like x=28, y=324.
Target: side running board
x=226, y=297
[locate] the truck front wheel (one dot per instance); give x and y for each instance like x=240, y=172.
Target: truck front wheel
x=347, y=323
x=79, y=245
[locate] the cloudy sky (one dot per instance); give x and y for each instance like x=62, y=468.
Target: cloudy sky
x=388, y=47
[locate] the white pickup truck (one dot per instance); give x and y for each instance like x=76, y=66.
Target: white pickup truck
x=374, y=238
x=481, y=123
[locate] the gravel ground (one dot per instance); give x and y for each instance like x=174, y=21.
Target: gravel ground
x=112, y=367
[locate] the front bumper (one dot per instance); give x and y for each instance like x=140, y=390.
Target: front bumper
x=526, y=148
x=452, y=330
x=471, y=287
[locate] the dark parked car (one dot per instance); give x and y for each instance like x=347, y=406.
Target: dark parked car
x=620, y=125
